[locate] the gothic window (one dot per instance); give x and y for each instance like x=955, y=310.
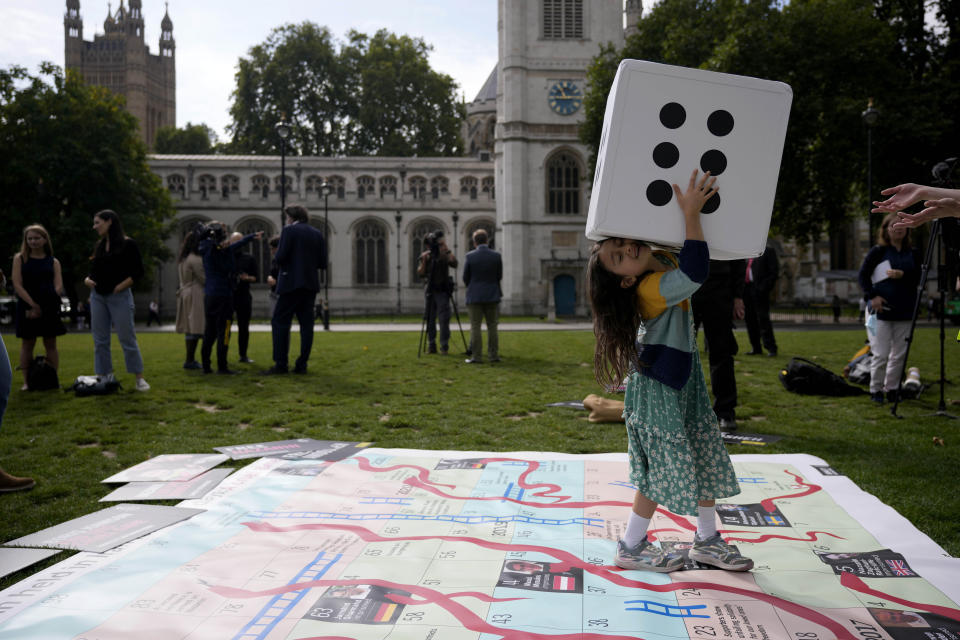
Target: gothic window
x=313, y=184
x=468, y=185
x=288, y=181
x=418, y=187
x=229, y=184
x=485, y=224
x=258, y=248
x=438, y=185
x=563, y=183
x=339, y=186
x=417, y=245
x=388, y=186
x=208, y=185
x=370, y=253
x=365, y=186
x=177, y=184
x=189, y=224
x=562, y=19
x=487, y=187
x=317, y=223
x=260, y=184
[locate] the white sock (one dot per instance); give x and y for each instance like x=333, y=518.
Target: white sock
x=706, y=522
x=636, y=530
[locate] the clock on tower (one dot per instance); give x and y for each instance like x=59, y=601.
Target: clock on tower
x=565, y=97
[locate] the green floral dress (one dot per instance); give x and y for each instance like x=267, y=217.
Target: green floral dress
x=677, y=457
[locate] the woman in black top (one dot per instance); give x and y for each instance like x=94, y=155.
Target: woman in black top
x=38, y=283
x=114, y=267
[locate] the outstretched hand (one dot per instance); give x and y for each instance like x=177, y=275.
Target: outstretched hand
x=901, y=197
x=941, y=208
x=698, y=192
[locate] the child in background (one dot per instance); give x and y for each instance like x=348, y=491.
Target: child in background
x=643, y=323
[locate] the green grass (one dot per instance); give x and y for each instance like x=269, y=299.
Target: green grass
x=372, y=387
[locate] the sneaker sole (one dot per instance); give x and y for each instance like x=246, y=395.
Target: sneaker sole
x=713, y=562
x=645, y=567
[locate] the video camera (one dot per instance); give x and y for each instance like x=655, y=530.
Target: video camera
x=213, y=231
x=432, y=240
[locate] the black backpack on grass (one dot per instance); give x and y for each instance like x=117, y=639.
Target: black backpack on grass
x=41, y=376
x=809, y=378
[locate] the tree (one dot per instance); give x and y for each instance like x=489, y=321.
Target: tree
x=71, y=150
x=807, y=44
x=370, y=96
x=193, y=139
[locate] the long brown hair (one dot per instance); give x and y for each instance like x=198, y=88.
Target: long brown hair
x=25, y=248
x=615, y=322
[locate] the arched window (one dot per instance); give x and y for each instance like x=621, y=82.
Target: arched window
x=260, y=184
x=439, y=185
x=418, y=246
x=317, y=223
x=313, y=184
x=229, y=184
x=339, y=186
x=370, y=253
x=487, y=187
x=563, y=183
x=177, y=184
x=388, y=186
x=189, y=224
x=208, y=185
x=259, y=249
x=468, y=186
x=365, y=187
x=418, y=187
x=485, y=224
x=288, y=181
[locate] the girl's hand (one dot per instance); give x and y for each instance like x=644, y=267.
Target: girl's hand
x=877, y=303
x=698, y=192
x=118, y=289
x=90, y=283
x=894, y=273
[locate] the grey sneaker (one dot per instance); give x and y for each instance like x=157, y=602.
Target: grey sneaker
x=646, y=557
x=717, y=553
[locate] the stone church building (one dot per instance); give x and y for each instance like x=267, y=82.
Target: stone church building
x=523, y=177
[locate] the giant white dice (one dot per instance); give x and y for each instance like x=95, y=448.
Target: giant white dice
x=661, y=123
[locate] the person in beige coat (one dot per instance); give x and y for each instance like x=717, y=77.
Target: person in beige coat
x=190, y=312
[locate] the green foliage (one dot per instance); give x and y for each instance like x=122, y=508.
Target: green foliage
x=194, y=139
x=836, y=55
x=366, y=386
x=70, y=150
x=372, y=96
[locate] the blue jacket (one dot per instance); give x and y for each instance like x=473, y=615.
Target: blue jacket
x=900, y=293
x=482, y=273
x=302, y=251
x=220, y=265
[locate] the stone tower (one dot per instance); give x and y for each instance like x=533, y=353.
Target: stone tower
x=545, y=47
x=634, y=11
x=120, y=60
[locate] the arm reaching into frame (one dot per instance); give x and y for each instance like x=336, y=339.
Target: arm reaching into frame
x=904, y=195
x=940, y=208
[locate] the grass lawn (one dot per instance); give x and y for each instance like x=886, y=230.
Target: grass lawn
x=372, y=387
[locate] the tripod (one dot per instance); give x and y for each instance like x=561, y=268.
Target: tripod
x=941, y=173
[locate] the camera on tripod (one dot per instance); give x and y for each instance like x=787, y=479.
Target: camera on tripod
x=433, y=240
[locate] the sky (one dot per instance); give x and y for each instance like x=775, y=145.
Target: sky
x=212, y=35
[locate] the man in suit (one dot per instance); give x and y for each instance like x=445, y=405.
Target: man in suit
x=482, y=274
x=716, y=304
x=301, y=252
x=761, y=277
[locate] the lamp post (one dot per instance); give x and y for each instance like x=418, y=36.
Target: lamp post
x=399, y=219
x=325, y=189
x=283, y=130
x=870, y=117
x=456, y=217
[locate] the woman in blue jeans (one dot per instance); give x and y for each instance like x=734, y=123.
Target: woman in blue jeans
x=8, y=482
x=114, y=267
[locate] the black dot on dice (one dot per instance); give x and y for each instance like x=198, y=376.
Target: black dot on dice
x=713, y=161
x=659, y=193
x=673, y=115
x=720, y=122
x=712, y=204
x=666, y=155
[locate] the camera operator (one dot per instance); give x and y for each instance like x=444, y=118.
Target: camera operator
x=220, y=269
x=434, y=265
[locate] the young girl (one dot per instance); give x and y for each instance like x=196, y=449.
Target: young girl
x=643, y=323
x=38, y=283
